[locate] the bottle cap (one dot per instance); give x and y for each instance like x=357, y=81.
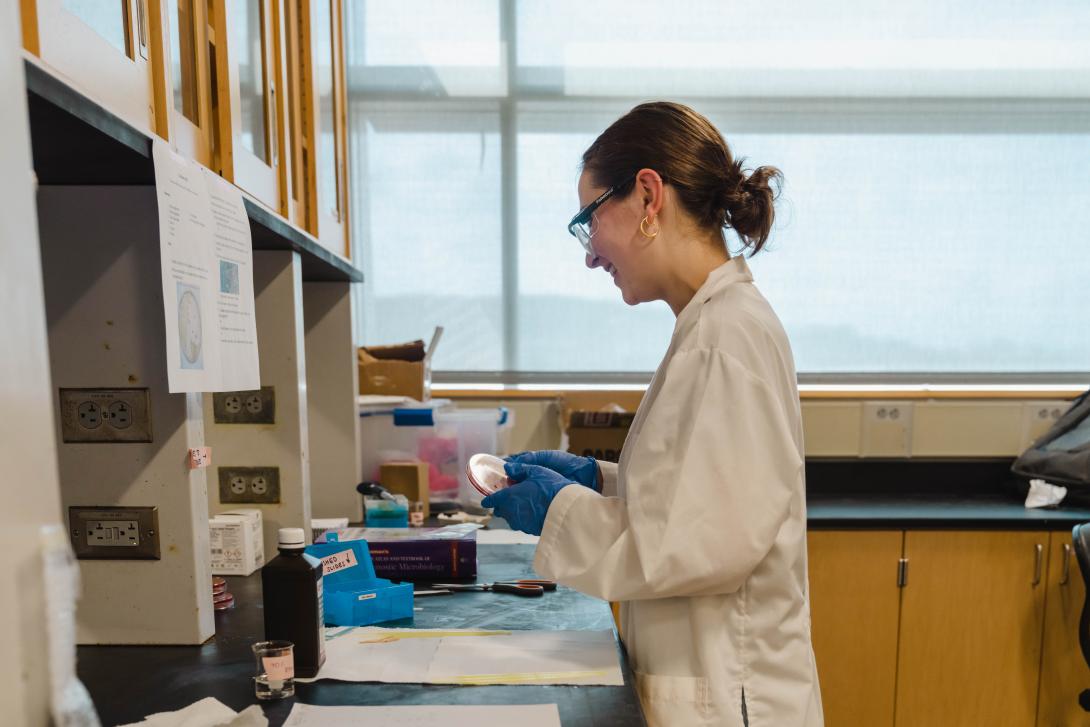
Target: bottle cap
x=292, y=538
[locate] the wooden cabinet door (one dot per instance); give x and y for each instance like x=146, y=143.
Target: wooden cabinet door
x=250, y=103
x=187, y=80
x=854, y=601
x=317, y=85
x=102, y=48
x=972, y=613
x=1063, y=670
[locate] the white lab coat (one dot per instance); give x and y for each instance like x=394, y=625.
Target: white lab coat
x=700, y=532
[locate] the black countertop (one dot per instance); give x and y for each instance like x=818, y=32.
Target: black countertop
x=894, y=494
x=955, y=512
x=129, y=682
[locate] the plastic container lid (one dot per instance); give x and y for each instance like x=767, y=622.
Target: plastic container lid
x=486, y=473
x=291, y=538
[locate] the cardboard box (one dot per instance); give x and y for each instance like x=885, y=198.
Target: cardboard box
x=409, y=479
x=237, y=542
x=598, y=434
x=401, y=370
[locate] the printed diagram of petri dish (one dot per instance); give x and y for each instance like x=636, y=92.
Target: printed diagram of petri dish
x=189, y=327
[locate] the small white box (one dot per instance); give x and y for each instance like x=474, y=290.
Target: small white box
x=237, y=542
x=321, y=525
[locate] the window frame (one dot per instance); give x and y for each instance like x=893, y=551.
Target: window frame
x=527, y=99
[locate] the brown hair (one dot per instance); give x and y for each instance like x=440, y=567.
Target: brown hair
x=690, y=154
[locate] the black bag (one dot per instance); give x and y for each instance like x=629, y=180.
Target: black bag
x=1062, y=455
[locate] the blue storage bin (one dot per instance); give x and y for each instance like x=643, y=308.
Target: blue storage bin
x=352, y=595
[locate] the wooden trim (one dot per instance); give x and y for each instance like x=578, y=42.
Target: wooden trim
x=28, y=12
x=157, y=49
x=842, y=395
x=279, y=80
x=340, y=72
x=975, y=394
x=225, y=80
x=308, y=115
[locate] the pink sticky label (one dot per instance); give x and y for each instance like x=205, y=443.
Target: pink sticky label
x=279, y=667
x=200, y=457
x=338, y=561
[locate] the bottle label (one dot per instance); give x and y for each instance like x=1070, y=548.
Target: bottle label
x=278, y=668
x=321, y=620
x=338, y=561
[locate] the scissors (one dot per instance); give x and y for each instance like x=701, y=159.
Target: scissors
x=523, y=587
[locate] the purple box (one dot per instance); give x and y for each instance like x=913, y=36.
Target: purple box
x=417, y=554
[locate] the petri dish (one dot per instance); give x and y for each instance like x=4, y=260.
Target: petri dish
x=486, y=473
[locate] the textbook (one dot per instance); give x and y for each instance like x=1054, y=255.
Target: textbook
x=417, y=554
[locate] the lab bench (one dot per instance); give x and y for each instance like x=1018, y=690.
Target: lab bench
x=944, y=604
x=129, y=682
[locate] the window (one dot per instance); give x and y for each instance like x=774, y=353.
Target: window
x=936, y=160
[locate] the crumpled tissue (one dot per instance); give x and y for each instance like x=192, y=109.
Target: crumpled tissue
x=1044, y=494
x=208, y=712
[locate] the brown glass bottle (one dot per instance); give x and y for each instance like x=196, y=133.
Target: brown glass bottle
x=292, y=593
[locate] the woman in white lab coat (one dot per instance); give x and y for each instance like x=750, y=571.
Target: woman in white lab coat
x=700, y=530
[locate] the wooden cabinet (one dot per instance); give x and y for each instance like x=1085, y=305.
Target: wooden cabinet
x=319, y=100
x=104, y=48
x=971, y=620
x=854, y=602
x=187, y=76
x=984, y=630
x=250, y=104
x=1063, y=670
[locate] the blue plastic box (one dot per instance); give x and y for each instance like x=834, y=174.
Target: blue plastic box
x=385, y=514
x=352, y=594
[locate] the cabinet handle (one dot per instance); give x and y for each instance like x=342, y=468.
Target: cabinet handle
x=141, y=29
x=902, y=572
x=1065, y=571
x=1040, y=551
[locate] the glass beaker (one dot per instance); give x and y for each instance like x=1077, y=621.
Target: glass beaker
x=275, y=677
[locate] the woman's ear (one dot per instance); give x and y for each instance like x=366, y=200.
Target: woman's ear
x=650, y=186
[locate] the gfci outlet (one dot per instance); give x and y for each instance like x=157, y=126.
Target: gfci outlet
x=245, y=407
x=249, y=485
x=105, y=415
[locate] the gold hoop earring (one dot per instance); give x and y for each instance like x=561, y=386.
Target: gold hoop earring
x=647, y=234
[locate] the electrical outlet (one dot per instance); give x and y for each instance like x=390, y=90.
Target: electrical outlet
x=114, y=533
x=245, y=407
x=105, y=415
x=887, y=429
x=1038, y=417
x=249, y=485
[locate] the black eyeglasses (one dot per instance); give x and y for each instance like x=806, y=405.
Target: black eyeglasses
x=580, y=225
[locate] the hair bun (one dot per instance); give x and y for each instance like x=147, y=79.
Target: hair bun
x=750, y=202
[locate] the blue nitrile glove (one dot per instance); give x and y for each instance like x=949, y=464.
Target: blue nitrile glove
x=525, y=504
x=583, y=470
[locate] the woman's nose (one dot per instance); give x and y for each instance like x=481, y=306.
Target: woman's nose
x=593, y=261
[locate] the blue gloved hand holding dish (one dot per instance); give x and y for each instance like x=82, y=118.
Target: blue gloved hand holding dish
x=524, y=504
x=583, y=470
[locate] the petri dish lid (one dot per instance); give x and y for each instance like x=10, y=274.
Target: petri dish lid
x=224, y=604
x=486, y=473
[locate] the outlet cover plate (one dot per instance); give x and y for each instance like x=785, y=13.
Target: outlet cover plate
x=249, y=485
x=105, y=415
x=245, y=407
x=114, y=533
x=887, y=429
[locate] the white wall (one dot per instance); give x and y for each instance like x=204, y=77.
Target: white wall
x=27, y=445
